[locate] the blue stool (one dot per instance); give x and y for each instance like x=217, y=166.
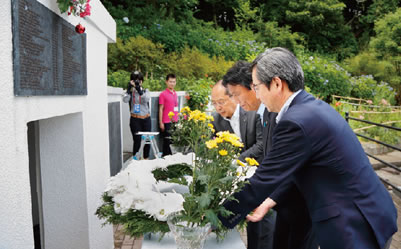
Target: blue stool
x=148, y=138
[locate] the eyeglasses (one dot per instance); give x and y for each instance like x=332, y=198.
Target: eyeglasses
x=255, y=86
x=219, y=102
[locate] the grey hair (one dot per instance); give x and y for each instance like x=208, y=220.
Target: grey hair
x=279, y=62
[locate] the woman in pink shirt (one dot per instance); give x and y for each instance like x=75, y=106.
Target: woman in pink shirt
x=168, y=102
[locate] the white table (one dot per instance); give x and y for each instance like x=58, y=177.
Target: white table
x=232, y=241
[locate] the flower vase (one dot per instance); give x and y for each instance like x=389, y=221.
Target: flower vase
x=187, y=236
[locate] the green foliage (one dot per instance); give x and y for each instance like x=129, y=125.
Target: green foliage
x=244, y=13
x=119, y=78
x=63, y=5
x=173, y=173
x=274, y=36
x=367, y=63
x=365, y=87
x=322, y=24
x=325, y=77
x=136, y=53
x=214, y=175
x=387, y=45
x=382, y=114
x=176, y=36
x=198, y=94
x=135, y=222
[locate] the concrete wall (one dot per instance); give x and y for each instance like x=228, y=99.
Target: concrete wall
x=62, y=167
x=90, y=168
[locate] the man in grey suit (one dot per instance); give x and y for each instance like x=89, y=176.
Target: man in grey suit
x=229, y=116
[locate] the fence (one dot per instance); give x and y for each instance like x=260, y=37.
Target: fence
x=396, y=188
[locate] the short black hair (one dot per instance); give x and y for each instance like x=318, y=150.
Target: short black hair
x=170, y=75
x=136, y=75
x=239, y=74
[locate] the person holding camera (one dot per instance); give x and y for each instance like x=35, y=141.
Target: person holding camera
x=138, y=99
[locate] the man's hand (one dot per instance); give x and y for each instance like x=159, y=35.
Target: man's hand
x=161, y=125
x=261, y=211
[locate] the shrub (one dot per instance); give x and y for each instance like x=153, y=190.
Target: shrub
x=366, y=87
x=274, y=36
x=119, y=78
x=198, y=94
x=367, y=63
x=136, y=53
x=324, y=77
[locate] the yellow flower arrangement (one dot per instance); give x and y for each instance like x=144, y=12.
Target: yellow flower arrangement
x=223, y=152
x=251, y=161
x=171, y=115
x=214, y=175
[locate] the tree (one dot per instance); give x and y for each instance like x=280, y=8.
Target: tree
x=274, y=36
x=387, y=45
x=322, y=24
x=244, y=13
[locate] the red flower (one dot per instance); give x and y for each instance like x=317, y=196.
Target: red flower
x=206, y=75
x=87, y=11
x=338, y=103
x=187, y=97
x=79, y=29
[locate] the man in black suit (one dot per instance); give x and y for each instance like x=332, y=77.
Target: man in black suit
x=229, y=116
x=238, y=81
x=315, y=152
x=292, y=213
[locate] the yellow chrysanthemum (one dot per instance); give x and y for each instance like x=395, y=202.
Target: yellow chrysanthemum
x=218, y=140
x=211, y=144
x=185, y=109
x=210, y=125
x=223, y=152
x=238, y=144
x=171, y=115
x=240, y=163
x=251, y=161
x=210, y=118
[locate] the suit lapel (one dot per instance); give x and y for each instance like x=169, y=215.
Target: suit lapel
x=226, y=126
x=242, y=125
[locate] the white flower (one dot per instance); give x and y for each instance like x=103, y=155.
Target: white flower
x=125, y=19
x=136, y=188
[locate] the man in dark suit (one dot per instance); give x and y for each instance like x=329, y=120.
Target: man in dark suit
x=313, y=147
x=229, y=116
x=279, y=230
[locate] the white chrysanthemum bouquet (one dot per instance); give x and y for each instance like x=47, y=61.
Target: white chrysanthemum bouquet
x=142, y=196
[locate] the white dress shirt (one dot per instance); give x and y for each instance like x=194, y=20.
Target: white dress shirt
x=286, y=105
x=260, y=111
x=234, y=122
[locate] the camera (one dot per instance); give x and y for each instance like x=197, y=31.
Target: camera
x=137, y=82
x=137, y=77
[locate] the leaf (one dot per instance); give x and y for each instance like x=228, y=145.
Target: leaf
x=63, y=5
x=204, y=200
x=203, y=178
x=227, y=179
x=212, y=217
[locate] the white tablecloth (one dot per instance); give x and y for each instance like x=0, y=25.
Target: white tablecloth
x=232, y=241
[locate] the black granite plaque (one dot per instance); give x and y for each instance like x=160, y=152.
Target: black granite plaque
x=49, y=56
x=115, y=149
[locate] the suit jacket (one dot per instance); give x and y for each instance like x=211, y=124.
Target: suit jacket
x=269, y=122
x=315, y=147
x=250, y=129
